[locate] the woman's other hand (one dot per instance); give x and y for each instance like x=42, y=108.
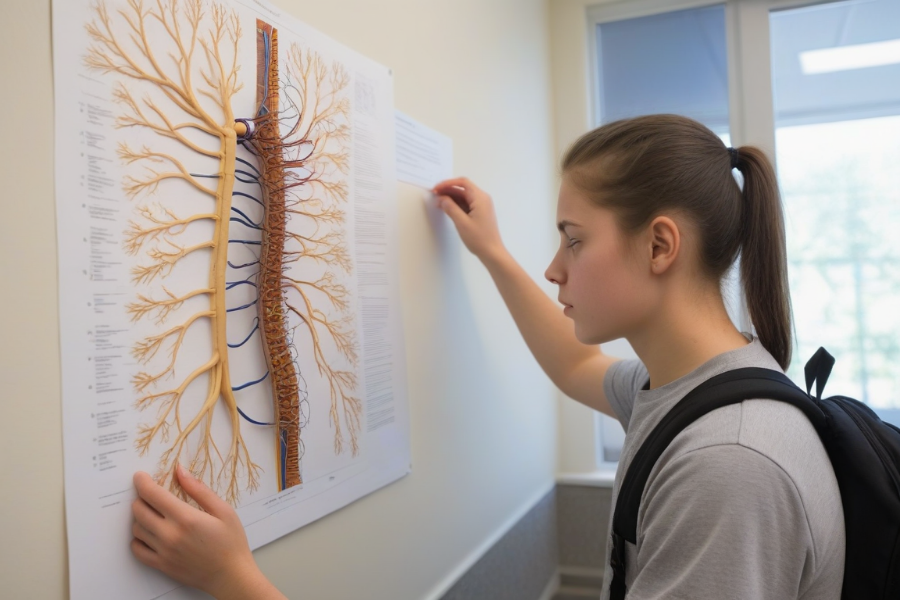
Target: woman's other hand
x=206, y=550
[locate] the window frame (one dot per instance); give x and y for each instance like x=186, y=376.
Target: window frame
x=751, y=106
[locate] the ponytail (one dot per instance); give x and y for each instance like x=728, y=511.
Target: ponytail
x=643, y=166
x=764, y=255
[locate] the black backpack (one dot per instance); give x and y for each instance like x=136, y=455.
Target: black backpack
x=864, y=452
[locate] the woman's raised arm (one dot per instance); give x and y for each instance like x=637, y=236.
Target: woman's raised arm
x=576, y=369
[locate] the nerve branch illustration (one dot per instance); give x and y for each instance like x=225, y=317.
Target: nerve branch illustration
x=295, y=159
x=228, y=248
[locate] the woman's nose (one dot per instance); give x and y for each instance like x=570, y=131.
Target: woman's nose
x=553, y=273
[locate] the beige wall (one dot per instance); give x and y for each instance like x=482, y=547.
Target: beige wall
x=483, y=416
x=570, y=86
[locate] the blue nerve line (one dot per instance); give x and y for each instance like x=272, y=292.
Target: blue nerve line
x=249, y=383
x=249, y=335
x=243, y=414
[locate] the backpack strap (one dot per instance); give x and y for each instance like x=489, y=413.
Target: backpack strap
x=728, y=388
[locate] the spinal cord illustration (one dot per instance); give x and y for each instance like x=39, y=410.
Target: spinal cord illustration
x=259, y=198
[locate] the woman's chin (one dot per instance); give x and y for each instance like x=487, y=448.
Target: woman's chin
x=594, y=337
x=590, y=338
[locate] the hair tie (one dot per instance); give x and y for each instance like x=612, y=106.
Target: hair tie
x=734, y=157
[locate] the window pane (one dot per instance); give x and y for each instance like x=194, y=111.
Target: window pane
x=837, y=106
x=820, y=56
x=674, y=62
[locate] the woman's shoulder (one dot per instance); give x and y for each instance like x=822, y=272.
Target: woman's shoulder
x=778, y=431
x=784, y=434
x=760, y=441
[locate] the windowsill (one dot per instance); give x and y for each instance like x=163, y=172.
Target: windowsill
x=603, y=478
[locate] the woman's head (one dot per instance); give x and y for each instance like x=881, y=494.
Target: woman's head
x=668, y=180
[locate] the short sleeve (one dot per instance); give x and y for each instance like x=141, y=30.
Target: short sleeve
x=722, y=522
x=623, y=380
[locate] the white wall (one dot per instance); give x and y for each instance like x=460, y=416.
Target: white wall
x=483, y=415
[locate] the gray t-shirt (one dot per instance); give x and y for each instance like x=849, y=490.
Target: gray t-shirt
x=743, y=504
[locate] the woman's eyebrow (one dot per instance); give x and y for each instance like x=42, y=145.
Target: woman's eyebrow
x=565, y=223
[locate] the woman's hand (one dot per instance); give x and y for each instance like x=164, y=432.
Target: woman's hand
x=206, y=550
x=472, y=211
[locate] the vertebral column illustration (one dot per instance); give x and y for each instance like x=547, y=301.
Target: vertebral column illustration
x=273, y=316
x=190, y=85
x=300, y=139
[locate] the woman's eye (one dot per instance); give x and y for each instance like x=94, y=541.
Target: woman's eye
x=571, y=243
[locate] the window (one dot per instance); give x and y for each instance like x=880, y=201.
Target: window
x=824, y=99
x=836, y=80
x=674, y=62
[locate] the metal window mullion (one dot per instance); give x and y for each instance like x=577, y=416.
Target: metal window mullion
x=751, y=105
x=751, y=99
x=750, y=94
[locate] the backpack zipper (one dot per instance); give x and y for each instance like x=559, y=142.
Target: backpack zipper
x=876, y=444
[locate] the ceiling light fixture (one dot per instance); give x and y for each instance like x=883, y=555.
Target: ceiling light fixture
x=846, y=58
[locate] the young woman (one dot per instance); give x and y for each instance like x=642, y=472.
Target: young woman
x=744, y=503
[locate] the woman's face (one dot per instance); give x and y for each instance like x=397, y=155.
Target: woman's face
x=604, y=284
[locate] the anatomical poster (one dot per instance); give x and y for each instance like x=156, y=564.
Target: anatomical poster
x=228, y=271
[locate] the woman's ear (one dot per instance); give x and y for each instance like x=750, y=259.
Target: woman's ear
x=665, y=244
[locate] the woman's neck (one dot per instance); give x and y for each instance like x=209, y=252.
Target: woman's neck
x=681, y=336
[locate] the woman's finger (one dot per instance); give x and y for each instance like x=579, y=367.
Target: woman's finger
x=205, y=497
x=461, y=182
x=463, y=191
x=145, y=554
x=145, y=515
x=452, y=209
x=457, y=195
x=159, y=498
x=139, y=532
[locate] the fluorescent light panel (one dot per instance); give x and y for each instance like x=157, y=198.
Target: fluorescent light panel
x=846, y=58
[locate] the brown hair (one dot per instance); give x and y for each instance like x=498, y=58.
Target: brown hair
x=645, y=166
